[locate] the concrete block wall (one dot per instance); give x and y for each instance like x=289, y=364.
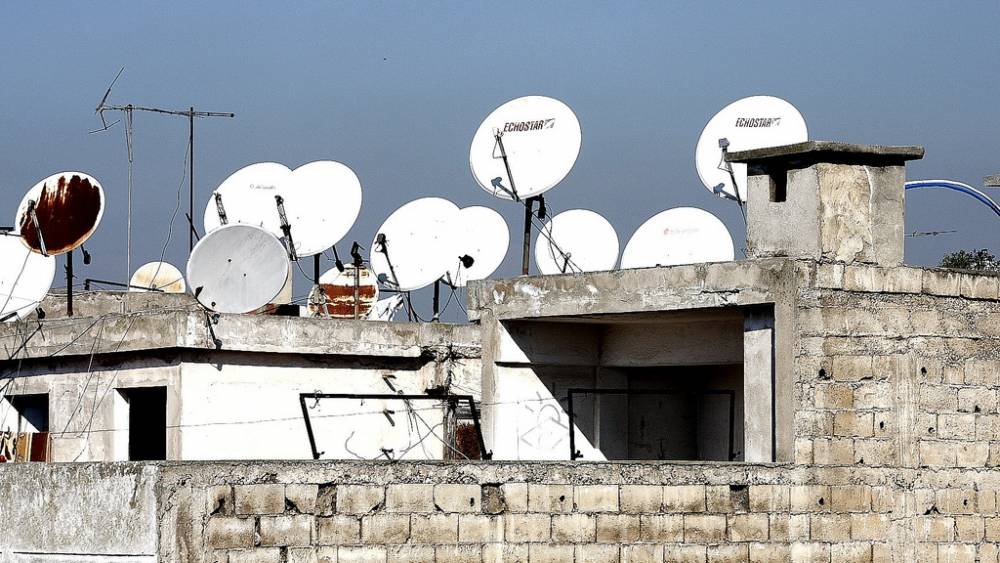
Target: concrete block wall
x=898, y=367
x=557, y=511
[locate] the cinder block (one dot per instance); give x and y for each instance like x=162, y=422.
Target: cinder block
x=935, y=528
x=226, y=532
x=367, y=554
x=302, y=555
x=992, y=529
x=380, y=529
x=685, y=553
x=326, y=501
x=957, y=553
x=359, y=499
x=834, y=396
x=852, y=368
x=938, y=398
x=979, y=400
x=550, y=553
x=301, y=498
x=458, y=553
x=719, y=498
x=642, y=553
x=574, y=528
x=986, y=501
x=903, y=280
x=956, y=426
x=219, y=501
x=515, y=496
x=769, y=498
x=458, y=498
x=338, y=529
x=863, y=278
x=550, y=498
x=641, y=498
x=873, y=395
x=935, y=453
x=830, y=276
x=703, y=528
x=260, y=499
x=969, y=528
x=505, y=553
x=596, y=498
x=617, y=528
x=410, y=553
x=684, y=498
x=434, y=528
x=941, y=283
x=661, y=527
x=597, y=553
x=258, y=555
x=769, y=552
x=972, y=454
x=807, y=552
x=982, y=372
x=480, y=528
x=525, y=528
x=851, y=498
x=728, y=553
x=809, y=498
x=874, y=452
x=855, y=424
x=830, y=527
x=326, y=554
x=286, y=530
x=873, y=527
x=409, y=498
x=748, y=527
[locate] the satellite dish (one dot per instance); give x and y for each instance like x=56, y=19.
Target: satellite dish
x=386, y=309
x=68, y=207
x=338, y=290
x=750, y=123
x=158, y=275
x=482, y=235
x=322, y=201
x=683, y=235
x=541, y=139
x=237, y=269
x=577, y=240
x=247, y=197
x=419, y=242
x=25, y=278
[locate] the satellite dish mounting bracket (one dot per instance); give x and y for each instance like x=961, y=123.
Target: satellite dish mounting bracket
x=286, y=228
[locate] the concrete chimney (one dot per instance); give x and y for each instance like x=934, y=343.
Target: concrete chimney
x=828, y=201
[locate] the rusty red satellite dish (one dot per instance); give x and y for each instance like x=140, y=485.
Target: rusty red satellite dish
x=338, y=292
x=68, y=207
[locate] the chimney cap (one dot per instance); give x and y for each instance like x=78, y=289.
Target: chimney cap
x=828, y=151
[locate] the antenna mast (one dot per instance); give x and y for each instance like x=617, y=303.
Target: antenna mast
x=127, y=110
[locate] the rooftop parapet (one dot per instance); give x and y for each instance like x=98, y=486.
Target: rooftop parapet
x=827, y=201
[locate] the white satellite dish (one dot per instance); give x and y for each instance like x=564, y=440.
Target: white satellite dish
x=247, y=197
x=419, y=243
x=237, y=269
x=540, y=138
x=577, y=240
x=322, y=200
x=68, y=207
x=158, y=275
x=385, y=309
x=481, y=234
x=750, y=123
x=25, y=278
x=683, y=235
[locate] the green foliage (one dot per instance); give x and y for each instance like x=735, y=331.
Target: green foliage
x=981, y=260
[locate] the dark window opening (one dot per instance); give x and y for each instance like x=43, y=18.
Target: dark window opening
x=147, y=423
x=779, y=186
x=32, y=412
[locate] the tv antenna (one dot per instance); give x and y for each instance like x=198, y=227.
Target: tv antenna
x=127, y=110
x=929, y=233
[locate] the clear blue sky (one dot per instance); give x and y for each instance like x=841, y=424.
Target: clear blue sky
x=396, y=91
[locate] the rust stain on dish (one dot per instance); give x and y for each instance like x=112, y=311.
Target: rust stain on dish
x=67, y=213
x=340, y=300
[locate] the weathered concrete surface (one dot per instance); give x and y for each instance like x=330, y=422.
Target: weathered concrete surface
x=827, y=151
x=190, y=327
x=840, y=203
x=74, y=510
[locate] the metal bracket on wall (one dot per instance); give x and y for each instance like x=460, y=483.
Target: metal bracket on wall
x=451, y=399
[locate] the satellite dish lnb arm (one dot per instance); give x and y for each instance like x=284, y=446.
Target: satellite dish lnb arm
x=286, y=227
x=506, y=165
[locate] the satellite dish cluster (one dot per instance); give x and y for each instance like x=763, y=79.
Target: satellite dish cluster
x=266, y=216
